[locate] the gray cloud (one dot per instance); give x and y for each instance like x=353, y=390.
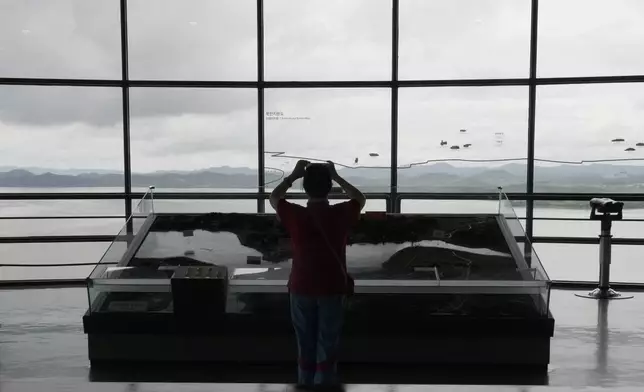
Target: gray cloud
x=590, y=38
x=60, y=39
x=427, y=116
x=464, y=39
x=61, y=146
x=102, y=106
x=344, y=124
x=193, y=40
x=197, y=40
x=578, y=121
x=163, y=102
x=39, y=105
x=328, y=40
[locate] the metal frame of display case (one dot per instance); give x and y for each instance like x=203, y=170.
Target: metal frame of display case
x=529, y=285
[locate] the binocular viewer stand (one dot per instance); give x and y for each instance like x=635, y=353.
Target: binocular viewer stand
x=606, y=211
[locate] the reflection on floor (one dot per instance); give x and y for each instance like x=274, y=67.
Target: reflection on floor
x=597, y=346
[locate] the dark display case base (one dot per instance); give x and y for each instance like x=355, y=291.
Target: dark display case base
x=284, y=373
x=443, y=350
x=444, y=341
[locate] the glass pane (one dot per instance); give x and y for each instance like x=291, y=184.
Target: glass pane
x=462, y=139
x=381, y=254
x=516, y=226
x=581, y=262
x=49, y=253
x=141, y=213
x=60, y=39
x=204, y=206
x=371, y=205
x=194, y=139
x=464, y=39
x=61, y=139
x=457, y=206
x=580, y=209
x=561, y=209
x=590, y=37
x=48, y=208
x=44, y=227
x=328, y=39
x=45, y=273
x=585, y=228
x=589, y=229
x=528, y=262
x=589, y=138
x=351, y=127
x=193, y=39
x=37, y=313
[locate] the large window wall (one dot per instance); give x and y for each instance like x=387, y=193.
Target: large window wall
x=426, y=105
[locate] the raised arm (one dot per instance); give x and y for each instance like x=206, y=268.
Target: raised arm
x=351, y=191
x=280, y=191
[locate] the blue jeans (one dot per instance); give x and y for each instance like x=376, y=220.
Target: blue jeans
x=318, y=323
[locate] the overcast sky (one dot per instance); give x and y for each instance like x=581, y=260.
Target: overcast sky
x=66, y=127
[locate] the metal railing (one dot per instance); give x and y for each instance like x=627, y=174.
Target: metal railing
x=88, y=237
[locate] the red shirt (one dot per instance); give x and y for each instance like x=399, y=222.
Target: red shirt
x=318, y=263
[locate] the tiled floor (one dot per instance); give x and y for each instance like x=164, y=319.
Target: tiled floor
x=598, y=346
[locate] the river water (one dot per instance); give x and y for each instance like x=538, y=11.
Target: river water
x=561, y=261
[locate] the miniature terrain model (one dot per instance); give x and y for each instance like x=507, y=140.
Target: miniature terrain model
x=443, y=289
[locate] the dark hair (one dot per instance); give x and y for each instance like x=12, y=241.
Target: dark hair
x=317, y=180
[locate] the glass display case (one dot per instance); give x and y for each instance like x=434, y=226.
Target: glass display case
x=426, y=264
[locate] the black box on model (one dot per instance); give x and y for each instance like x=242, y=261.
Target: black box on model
x=199, y=291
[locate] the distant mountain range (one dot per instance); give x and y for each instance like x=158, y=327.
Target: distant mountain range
x=439, y=177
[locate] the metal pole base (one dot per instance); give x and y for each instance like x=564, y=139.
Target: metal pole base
x=604, y=294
